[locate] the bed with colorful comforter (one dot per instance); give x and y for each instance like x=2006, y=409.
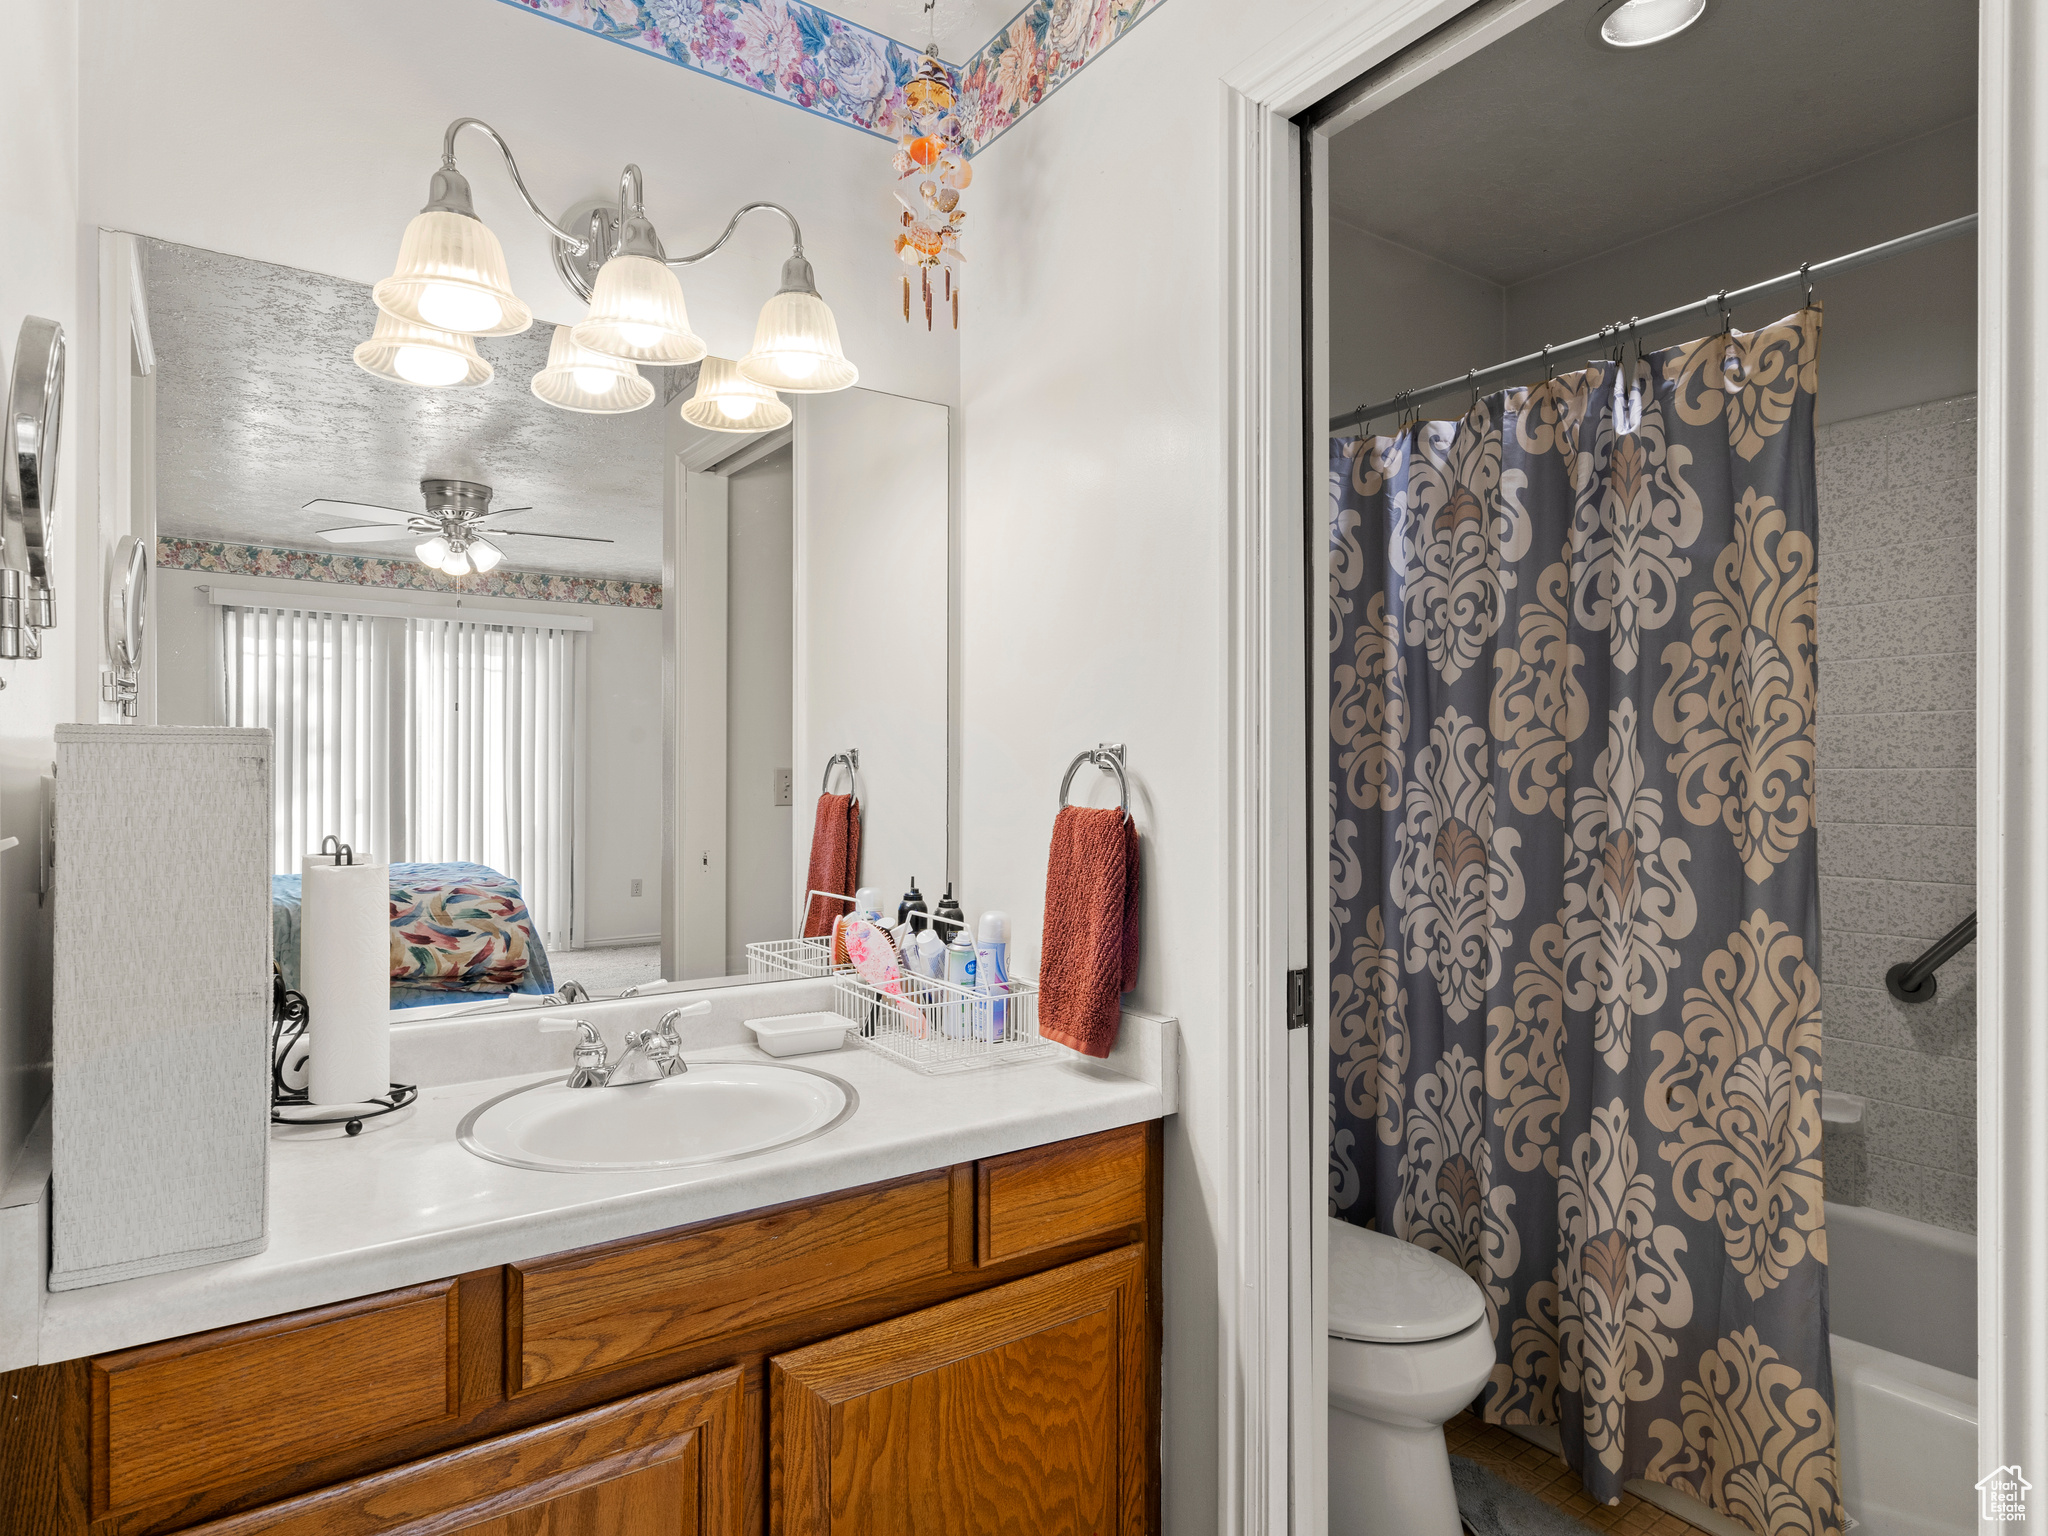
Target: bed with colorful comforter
x=458, y=932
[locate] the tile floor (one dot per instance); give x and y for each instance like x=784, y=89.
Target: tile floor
x=1531, y=1467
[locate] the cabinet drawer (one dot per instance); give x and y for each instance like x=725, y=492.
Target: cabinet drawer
x=589, y=1311
x=1041, y=1198
x=240, y=1403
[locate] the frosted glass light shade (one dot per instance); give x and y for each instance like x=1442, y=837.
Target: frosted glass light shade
x=1639, y=23
x=432, y=550
x=636, y=312
x=483, y=554
x=451, y=276
x=578, y=379
x=796, y=347
x=728, y=401
x=418, y=354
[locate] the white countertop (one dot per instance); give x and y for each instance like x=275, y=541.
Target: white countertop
x=405, y=1203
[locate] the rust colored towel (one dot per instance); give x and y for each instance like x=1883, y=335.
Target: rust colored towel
x=1088, y=956
x=835, y=861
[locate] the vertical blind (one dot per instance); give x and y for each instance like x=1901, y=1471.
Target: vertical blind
x=436, y=740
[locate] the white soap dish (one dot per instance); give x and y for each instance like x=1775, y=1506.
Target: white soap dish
x=800, y=1034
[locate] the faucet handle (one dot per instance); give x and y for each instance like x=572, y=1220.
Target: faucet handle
x=666, y=1025
x=589, y=1057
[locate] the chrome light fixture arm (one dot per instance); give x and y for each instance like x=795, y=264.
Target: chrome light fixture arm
x=450, y=191
x=795, y=230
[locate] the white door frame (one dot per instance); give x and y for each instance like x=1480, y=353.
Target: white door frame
x=1274, y=1381
x=2012, y=741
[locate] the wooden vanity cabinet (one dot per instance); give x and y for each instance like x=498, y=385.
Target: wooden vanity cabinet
x=972, y=1349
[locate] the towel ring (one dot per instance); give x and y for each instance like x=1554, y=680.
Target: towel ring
x=1107, y=758
x=850, y=757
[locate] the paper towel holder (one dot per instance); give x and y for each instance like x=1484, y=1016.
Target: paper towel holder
x=341, y=853
x=289, y=1018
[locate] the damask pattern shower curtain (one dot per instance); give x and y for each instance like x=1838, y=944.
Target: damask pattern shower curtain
x=1575, y=1011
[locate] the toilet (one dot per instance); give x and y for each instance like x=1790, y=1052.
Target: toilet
x=1409, y=1347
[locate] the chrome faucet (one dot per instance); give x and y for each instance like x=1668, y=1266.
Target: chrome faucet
x=568, y=992
x=659, y=1049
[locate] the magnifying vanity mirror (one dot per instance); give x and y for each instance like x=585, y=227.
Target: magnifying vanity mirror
x=588, y=666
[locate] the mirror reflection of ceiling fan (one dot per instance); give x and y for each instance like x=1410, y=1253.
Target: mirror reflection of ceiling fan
x=451, y=530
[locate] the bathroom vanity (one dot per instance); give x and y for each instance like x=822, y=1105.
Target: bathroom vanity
x=950, y=1313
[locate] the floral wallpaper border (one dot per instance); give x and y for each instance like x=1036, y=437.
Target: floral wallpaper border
x=1046, y=45
x=789, y=49
x=824, y=64
x=377, y=571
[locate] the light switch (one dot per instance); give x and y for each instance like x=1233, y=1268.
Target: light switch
x=636, y=887
x=785, y=786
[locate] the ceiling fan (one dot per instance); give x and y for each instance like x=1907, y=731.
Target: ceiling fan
x=451, y=530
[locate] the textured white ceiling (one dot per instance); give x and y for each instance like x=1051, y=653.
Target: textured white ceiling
x=1546, y=148
x=962, y=25
x=261, y=408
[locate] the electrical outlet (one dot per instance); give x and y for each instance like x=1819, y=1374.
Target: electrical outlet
x=785, y=786
x=636, y=887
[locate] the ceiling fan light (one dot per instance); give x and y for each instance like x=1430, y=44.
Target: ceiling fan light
x=796, y=343
x=457, y=563
x=637, y=313
x=421, y=355
x=451, y=275
x=432, y=550
x=484, y=555
x=578, y=379
x=720, y=388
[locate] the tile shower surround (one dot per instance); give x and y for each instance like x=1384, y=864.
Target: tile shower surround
x=1897, y=799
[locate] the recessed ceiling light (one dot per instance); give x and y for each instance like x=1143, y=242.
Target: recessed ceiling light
x=1639, y=23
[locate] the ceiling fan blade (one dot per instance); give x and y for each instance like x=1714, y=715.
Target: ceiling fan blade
x=501, y=511
x=356, y=506
x=367, y=533
x=520, y=533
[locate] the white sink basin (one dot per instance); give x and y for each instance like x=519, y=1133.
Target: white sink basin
x=716, y=1111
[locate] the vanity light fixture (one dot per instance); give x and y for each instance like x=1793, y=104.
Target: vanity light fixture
x=451, y=275
x=580, y=379
x=796, y=345
x=728, y=401
x=419, y=354
x=1639, y=23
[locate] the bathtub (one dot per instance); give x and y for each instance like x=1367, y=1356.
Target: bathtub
x=1902, y=1298
x=1902, y=1301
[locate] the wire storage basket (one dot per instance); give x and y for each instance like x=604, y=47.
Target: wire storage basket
x=940, y=1026
x=782, y=959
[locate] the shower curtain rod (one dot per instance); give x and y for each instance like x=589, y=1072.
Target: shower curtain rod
x=1713, y=304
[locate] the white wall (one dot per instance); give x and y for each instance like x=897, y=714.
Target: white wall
x=1093, y=606
x=40, y=274
x=623, y=826
x=1897, y=333
x=760, y=551
x=1400, y=319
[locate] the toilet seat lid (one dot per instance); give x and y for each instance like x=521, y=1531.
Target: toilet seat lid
x=1385, y=1291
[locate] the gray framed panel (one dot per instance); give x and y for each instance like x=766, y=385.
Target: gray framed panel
x=161, y=1000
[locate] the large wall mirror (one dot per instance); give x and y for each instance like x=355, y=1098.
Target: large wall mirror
x=625, y=723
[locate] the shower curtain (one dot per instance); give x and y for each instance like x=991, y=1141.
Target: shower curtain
x=1575, y=994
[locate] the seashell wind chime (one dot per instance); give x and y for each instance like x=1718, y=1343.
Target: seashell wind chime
x=931, y=172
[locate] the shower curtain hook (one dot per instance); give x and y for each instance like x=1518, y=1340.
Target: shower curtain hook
x=1549, y=368
x=1806, y=281
x=1636, y=336
x=1472, y=378
x=1727, y=320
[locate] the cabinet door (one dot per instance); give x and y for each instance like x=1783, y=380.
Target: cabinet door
x=664, y=1463
x=1028, y=1408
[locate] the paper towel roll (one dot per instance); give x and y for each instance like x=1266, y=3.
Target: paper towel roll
x=345, y=974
